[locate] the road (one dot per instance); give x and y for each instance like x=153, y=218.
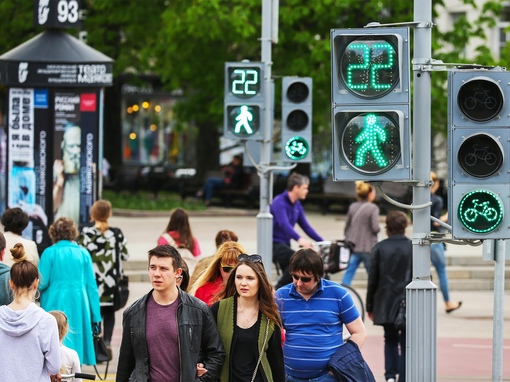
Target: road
x=464, y=337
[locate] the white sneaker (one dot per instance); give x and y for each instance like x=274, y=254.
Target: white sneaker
x=391, y=380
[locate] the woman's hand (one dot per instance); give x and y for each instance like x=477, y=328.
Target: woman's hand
x=55, y=378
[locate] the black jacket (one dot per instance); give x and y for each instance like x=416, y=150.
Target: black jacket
x=390, y=273
x=198, y=336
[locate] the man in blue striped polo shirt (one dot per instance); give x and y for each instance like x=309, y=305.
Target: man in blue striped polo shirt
x=313, y=312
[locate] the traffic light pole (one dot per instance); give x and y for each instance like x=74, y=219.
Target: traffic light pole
x=264, y=217
x=421, y=293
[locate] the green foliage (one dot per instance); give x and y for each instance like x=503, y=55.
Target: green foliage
x=187, y=43
x=145, y=201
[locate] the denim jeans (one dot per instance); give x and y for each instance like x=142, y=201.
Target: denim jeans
x=354, y=262
x=394, y=360
x=210, y=185
x=323, y=378
x=438, y=259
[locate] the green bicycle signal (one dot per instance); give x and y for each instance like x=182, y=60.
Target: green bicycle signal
x=480, y=211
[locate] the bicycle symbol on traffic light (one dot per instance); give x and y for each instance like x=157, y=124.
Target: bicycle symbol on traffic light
x=480, y=209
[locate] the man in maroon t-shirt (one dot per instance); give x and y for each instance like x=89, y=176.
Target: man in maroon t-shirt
x=166, y=331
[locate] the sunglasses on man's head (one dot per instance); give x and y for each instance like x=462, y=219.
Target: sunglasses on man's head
x=254, y=258
x=227, y=268
x=304, y=279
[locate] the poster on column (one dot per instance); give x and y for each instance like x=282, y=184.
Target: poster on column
x=27, y=135
x=75, y=159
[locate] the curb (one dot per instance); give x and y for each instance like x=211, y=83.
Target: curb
x=209, y=212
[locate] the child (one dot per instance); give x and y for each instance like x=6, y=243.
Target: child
x=70, y=362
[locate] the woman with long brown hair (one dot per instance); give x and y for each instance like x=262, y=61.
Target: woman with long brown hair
x=178, y=232
x=250, y=325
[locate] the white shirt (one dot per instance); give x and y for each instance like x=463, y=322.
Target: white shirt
x=11, y=239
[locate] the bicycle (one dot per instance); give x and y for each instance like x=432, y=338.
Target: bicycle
x=90, y=377
x=324, y=248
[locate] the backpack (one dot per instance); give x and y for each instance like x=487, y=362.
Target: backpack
x=186, y=254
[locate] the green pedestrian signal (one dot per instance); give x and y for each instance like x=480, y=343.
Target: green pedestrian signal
x=481, y=211
x=370, y=142
x=243, y=120
x=370, y=86
x=244, y=100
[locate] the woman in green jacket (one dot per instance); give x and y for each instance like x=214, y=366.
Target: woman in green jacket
x=250, y=325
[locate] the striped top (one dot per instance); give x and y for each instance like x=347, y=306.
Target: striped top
x=314, y=327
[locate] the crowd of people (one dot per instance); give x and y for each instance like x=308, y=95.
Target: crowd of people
x=217, y=316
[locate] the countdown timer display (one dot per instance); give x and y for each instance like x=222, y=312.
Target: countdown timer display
x=369, y=66
x=244, y=82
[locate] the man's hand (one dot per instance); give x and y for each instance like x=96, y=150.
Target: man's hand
x=201, y=370
x=303, y=243
x=55, y=378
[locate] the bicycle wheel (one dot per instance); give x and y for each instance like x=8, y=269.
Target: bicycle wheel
x=358, y=301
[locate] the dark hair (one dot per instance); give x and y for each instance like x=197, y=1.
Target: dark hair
x=14, y=220
x=307, y=261
x=167, y=250
x=223, y=236
x=267, y=304
x=63, y=229
x=185, y=276
x=179, y=222
x=296, y=179
x=2, y=242
x=23, y=271
x=396, y=223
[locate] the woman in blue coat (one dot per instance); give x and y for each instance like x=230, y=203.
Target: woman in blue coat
x=67, y=283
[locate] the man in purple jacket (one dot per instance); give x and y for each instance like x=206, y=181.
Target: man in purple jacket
x=287, y=211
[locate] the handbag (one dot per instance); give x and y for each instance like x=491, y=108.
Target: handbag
x=102, y=353
x=400, y=318
x=336, y=257
x=121, y=293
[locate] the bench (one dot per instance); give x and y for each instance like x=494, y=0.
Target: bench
x=344, y=193
x=246, y=195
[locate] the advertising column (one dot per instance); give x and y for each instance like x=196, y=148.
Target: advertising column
x=75, y=153
x=28, y=133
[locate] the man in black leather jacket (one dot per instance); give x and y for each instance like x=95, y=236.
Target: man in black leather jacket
x=169, y=335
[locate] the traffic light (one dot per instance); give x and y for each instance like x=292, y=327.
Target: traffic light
x=370, y=77
x=244, y=100
x=297, y=119
x=478, y=152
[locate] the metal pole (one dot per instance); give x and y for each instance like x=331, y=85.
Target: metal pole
x=264, y=217
x=499, y=310
x=421, y=293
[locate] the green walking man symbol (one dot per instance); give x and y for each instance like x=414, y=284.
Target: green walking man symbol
x=370, y=138
x=244, y=118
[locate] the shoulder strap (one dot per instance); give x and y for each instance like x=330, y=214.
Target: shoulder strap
x=116, y=233
x=356, y=214
x=169, y=239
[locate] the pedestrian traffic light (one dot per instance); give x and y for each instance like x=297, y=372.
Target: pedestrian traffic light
x=478, y=152
x=370, y=77
x=244, y=100
x=297, y=119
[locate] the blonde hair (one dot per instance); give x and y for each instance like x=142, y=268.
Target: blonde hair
x=63, y=325
x=100, y=212
x=227, y=253
x=363, y=189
